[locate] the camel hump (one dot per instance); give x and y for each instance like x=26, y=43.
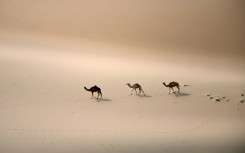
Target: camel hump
x=96, y=87
x=176, y=84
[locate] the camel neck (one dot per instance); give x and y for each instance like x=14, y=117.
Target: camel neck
x=86, y=89
x=130, y=86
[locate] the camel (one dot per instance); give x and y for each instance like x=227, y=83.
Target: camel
x=135, y=86
x=94, y=89
x=171, y=85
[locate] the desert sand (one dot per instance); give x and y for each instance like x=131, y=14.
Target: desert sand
x=43, y=104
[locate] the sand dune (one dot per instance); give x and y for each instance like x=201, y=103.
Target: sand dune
x=44, y=106
x=50, y=50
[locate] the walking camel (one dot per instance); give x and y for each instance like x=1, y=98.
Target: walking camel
x=171, y=85
x=135, y=86
x=94, y=89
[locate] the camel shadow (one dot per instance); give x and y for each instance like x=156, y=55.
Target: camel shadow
x=103, y=99
x=147, y=96
x=182, y=94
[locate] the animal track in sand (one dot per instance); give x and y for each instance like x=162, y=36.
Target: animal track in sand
x=242, y=101
x=218, y=98
x=208, y=95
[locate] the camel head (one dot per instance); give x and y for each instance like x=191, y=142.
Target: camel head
x=129, y=85
x=165, y=84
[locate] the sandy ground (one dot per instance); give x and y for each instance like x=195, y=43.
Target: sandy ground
x=50, y=50
x=44, y=108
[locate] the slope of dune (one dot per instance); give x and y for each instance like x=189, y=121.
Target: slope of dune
x=50, y=50
x=45, y=108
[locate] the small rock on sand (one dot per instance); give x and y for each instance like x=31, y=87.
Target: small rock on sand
x=242, y=101
x=208, y=95
x=242, y=94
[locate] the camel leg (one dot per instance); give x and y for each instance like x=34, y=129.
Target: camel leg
x=178, y=89
x=132, y=92
x=169, y=90
x=92, y=95
x=173, y=90
x=143, y=92
x=135, y=91
x=100, y=95
x=139, y=92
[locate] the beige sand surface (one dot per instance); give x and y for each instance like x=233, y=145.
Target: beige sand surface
x=50, y=50
x=44, y=106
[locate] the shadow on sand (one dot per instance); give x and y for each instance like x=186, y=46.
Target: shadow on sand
x=138, y=95
x=182, y=94
x=103, y=99
x=144, y=96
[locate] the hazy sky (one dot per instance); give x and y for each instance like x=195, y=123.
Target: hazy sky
x=203, y=26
